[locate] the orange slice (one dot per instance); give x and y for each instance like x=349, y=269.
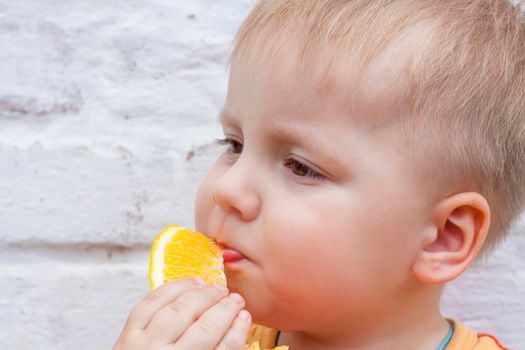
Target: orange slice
x=178, y=252
x=255, y=346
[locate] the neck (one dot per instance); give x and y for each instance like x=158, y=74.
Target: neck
x=414, y=324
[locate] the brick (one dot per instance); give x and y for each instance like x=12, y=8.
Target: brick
x=66, y=306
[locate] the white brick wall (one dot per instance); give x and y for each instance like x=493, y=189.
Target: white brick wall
x=107, y=115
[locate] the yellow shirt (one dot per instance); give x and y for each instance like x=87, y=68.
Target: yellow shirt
x=463, y=339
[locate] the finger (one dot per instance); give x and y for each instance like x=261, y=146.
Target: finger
x=235, y=338
x=172, y=320
x=143, y=312
x=211, y=327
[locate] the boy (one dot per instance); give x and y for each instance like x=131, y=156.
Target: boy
x=375, y=149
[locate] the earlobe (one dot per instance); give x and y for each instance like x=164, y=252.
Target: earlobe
x=453, y=238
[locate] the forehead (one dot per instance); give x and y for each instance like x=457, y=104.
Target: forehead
x=321, y=81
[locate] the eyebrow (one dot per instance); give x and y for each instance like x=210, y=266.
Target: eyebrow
x=278, y=133
x=290, y=136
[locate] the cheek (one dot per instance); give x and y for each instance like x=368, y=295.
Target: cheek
x=327, y=247
x=307, y=248
x=308, y=267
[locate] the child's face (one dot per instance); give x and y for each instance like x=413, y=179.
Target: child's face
x=316, y=194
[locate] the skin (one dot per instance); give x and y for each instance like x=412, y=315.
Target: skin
x=341, y=246
x=342, y=249
x=186, y=314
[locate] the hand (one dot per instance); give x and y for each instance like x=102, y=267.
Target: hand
x=186, y=314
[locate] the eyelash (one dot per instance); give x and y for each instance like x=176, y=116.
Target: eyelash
x=231, y=143
x=290, y=163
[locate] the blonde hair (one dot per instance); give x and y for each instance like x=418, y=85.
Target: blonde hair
x=465, y=84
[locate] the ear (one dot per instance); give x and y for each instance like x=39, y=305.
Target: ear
x=453, y=238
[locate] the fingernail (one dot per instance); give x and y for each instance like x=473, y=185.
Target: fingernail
x=245, y=315
x=237, y=298
x=220, y=288
x=199, y=281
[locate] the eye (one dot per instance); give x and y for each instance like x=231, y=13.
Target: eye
x=234, y=146
x=301, y=169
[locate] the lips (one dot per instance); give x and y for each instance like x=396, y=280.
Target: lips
x=230, y=255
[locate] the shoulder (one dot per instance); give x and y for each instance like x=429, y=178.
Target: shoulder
x=465, y=338
x=267, y=337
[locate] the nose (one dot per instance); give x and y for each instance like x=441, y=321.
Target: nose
x=235, y=191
